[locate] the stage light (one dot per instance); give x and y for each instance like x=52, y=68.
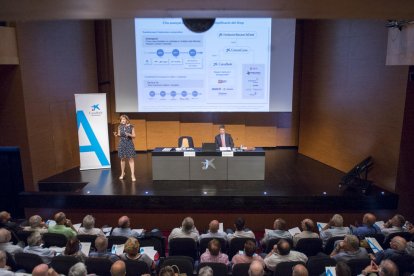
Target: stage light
x=324, y=193
x=265, y=193
x=382, y=193
x=146, y=192
x=88, y=192
x=205, y=193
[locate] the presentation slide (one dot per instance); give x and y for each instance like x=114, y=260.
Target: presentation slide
x=226, y=67
x=238, y=65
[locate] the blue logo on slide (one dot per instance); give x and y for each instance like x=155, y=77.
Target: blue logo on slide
x=162, y=93
x=94, y=146
x=173, y=93
x=152, y=94
x=95, y=107
x=160, y=52
x=192, y=52
x=194, y=93
x=175, y=52
x=184, y=93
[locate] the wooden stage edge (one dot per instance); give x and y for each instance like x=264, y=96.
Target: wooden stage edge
x=293, y=183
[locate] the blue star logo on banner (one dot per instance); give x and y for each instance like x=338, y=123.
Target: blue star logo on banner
x=95, y=107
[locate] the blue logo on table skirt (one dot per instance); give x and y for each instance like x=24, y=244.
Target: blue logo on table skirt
x=207, y=164
x=95, y=107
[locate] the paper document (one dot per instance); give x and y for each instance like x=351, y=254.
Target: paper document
x=139, y=231
x=225, y=148
x=77, y=226
x=85, y=248
x=117, y=249
x=321, y=225
x=294, y=231
x=57, y=249
x=221, y=227
x=380, y=224
x=50, y=223
x=373, y=243
x=150, y=251
x=166, y=149
x=330, y=271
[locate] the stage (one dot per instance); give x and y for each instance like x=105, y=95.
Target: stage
x=293, y=183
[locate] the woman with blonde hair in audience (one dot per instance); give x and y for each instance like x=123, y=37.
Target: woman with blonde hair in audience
x=132, y=252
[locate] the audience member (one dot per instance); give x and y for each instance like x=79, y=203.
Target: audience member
x=124, y=229
x=282, y=253
x=132, y=252
x=368, y=227
x=187, y=230
x=386, y=268
x=334, y=228
x=256, y=269
x=34, y=242
x=278, y=232
x=396, y=253
x=63, y=226
x=88, y=227
x=166, y=271
x=73, y=248
x=44, y=270
x=308, y=228
x=78, y=269
x=240, y=232
x=36, y=224
x=5, y=222
x=349, y=249
x=342, y=269
x=213, y=254
x=395, y=224
x=5, y=243
x=118, y=268
x=101, y=245
x=205, y=271
x=213, y=231
x=4, y=269
x=299, y=270
x=249, y=254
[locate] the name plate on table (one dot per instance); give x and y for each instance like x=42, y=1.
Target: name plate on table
x=227, y=154
x=189, y=153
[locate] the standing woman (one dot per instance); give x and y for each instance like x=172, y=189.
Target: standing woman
x=126, y=149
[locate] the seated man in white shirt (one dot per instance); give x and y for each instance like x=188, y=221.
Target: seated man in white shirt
x=6, y=245
x=394, y=225
x=34, y=242
x=124, y=229
x=240, y=232
x=334, y=228
x=349, y=249
x=279, y=226
x=187, y=230
x=213, y=231
x=89, y=227
x=282, y=253
x=308, y=228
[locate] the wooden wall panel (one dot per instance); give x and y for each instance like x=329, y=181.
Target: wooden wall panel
x=201, y=132
x=351, y=103
x=162, y=133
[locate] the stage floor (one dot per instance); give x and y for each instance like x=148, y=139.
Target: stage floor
x=293, y=182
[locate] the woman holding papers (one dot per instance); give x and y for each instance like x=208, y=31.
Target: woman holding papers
x=126, y=149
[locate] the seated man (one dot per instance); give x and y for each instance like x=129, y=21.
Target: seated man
x=308, y=228
x=368, y=227
x=101, y=245
x=395, y=224
x=63, y=226
x=4, y=269
x=256, y=269
x=300, y=270
x=223, y=139
x=36, y=224
x=397, y=252
x=34, y=242
x=44, y=270
x=240, y=232
x=334, y=228
x=187, y=230
x=5, y=222
x=282, y=253
x=78, y=269
x=124, y=229
x=118, y=268
x=349, y=249
x=5, y=243
x=213, y=254
x=249, y=254
x=279, y=226
x=89, y=227
x=386, y=268
x=213, y=231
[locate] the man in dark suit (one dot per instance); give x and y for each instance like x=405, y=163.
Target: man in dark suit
x=223, y=139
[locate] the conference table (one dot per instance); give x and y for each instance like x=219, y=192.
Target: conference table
x=172, y=164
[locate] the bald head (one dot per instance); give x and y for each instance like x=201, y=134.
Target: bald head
x=40, y=270
x=214, y=226
x=299, y=270
x=398, y=243
x=369, y=219
x=256, y=269
x=124, y=222
x=118, y=268
x=388, y=268
x=5, y=235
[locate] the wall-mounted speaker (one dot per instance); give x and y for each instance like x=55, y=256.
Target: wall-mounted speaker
x=198, y=25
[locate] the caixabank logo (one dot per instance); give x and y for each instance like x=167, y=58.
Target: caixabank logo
x=95, y=110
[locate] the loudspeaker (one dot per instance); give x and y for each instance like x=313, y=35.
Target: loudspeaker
x=198, y=25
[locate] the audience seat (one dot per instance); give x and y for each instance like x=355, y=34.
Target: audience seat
x=316, y=264
x=116, y=240
x=54, y=239
x=184, y=263
x=237, y=244
x=309, y=246
x=98, y=266
x=183, y=247
x=27, y=261
x=135, y=267
x=331, y=243
x=88, y=238
x=357, y=265
x=241, y=269
x=23, y=235
x=10, y=261
x=285, y=268
x=62, y=264
x=204, y=244
x=219, y=269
